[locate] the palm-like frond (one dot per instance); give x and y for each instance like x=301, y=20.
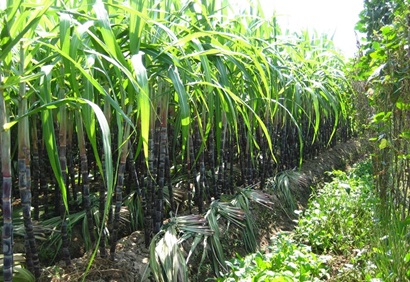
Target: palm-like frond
x=168, y=260
x=285, y=185
x=258, y=196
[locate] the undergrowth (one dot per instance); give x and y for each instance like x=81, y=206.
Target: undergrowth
x=339, y=237
x=286, y=260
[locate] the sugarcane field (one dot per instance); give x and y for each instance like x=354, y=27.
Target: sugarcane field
x=162, y=140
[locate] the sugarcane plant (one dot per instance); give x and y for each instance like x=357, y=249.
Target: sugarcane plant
x=175, y=104
x=7, y=232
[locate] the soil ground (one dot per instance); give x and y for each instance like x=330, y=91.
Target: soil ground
x=131, y=258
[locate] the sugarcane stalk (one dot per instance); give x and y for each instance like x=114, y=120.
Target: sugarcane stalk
x=264, y=163
x=249, y=153
x=168, y=179
x=35, y=166
x=44, y=177
x=211, y=146
x=190, y=171
x=7, y=231
x=118, y=202
x=84, y=174
x=156, y=150
x=62, y=134
x=242, y=155
x=205, y=193
x=284, y=150
x=118, y=193
x=35, y=162
x=202, y=183
x=221, y=169
x=199, y=187
x=25, y=176
x=134, y=182
x=70, y=156
x=128, y=175
x=161, y=166
x=148, y=203
x=230, y=161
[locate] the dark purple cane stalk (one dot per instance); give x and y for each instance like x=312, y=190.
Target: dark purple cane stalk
x=62, y=134
x=155, y=201
x=202, y=183
x=70, y=157
x=148, y=203
x=248, y=162
x=132, y=171
x=168, y=179
x=212, y=162
x=242, y=156
x=191, y=172
x=118, y=202
x=194, y=171
x=84, y=174
x=163, y=144
x=7, y=232
x=44, y=177
x=230, y=147
x=35, y=167
x=199, y=180
x=25, y=177
x=118, y=193
x=222, y=189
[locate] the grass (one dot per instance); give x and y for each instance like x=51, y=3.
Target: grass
x=341, y=236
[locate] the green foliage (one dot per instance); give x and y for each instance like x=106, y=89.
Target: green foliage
x=343, y=222
x=390, y=251
x=341, y=214
x=384, y=66
x=167, y=260
x=283, y=185
x=286, y=260
x=338, y=221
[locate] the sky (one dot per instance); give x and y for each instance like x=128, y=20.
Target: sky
x=336, y=17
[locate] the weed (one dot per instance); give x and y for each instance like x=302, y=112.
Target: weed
x=341, y=236
x=341, y=216
x=286, y=260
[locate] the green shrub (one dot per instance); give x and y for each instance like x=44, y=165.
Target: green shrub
x=341, y=216
x=285, y=261
x=341, y=236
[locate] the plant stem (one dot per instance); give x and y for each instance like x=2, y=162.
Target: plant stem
x=7, y=232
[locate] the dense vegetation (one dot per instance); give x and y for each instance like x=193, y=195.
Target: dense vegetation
x=357, y=227
x=178, y=112
x=341, y=236
x=383, y=67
